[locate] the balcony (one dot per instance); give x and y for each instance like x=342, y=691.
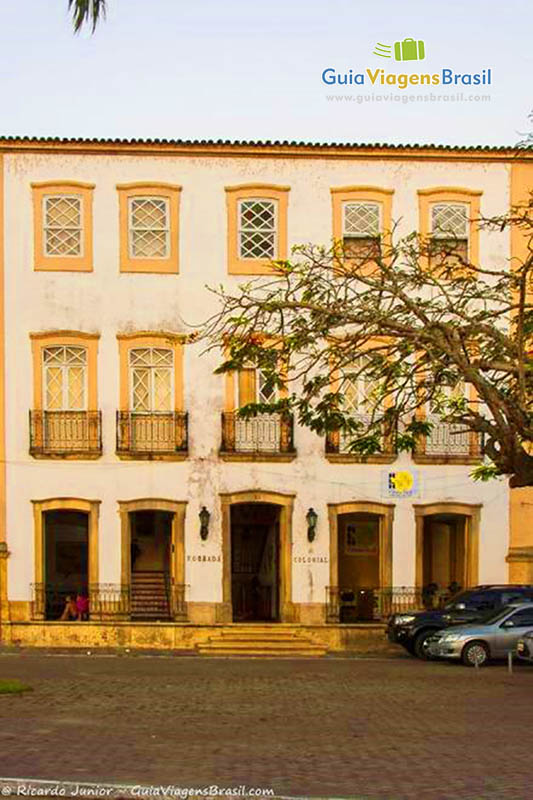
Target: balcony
x=448, y=443
x=338, y=447
x=160, y=436
x=265, y=437
x=353, y=604
x=65, y=434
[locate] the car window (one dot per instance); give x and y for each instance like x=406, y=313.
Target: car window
x=482, y=600
x=523, y=618
x=514, y=597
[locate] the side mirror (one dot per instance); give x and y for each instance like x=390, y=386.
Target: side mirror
x=459, y=606
x=508, y=624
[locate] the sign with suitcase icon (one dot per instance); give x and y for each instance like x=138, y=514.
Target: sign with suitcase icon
x=409, y=50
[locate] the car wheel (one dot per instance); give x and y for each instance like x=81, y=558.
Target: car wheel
x=475, y=653
x=420, y=644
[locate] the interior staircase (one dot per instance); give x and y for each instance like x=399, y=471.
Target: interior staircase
x=149, y=596
x=256, y=639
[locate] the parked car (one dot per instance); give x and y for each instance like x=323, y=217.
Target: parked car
x=524, y=647
x=480, y=642
x=414, y=628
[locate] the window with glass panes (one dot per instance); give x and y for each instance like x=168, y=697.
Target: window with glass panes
x=449, y=231
x=65, y=378
x=149, y=227
x=257, y=228
x=361, y=228
x=62, y=220
x=357, y=389
x=151, y=380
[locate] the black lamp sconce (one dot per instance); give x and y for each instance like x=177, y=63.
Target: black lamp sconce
x=204, y=523
x=312, y=518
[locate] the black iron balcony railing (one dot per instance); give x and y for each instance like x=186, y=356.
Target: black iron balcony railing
x=63, y=433
x=448, y=441
x=105, y=601
x=338, y=443
x=150, y=435
x=262, y=434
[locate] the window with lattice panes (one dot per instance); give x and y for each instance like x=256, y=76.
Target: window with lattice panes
x=449, y=233
x=65, y=378
x=151, y=380
x=62, y=222
x=149, y=227
x=361, y=229
x=254, y=387
x=257, y=229
x=358, y=390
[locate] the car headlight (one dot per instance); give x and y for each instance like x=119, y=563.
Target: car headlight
x=403, y=619
x=454, y=637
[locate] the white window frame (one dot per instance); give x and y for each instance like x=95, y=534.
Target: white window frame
x=132, y=367
x=362, y=235
x=46, y=227
x=64, y=379
x=135, y=198
x=449, y=235
x=241, y=230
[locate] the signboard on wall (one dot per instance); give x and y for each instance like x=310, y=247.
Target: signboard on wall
x=400, y=483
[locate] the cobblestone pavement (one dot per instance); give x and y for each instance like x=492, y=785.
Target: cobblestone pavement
x=395, y=729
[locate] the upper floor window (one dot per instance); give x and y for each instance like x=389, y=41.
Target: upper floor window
x=63, y=229
x=63, y=226
x=149, y=227
x=362, y=221
x=361, y=228
x=151, y=380
x=257, y=227
x=449, y=231
x=65, y=378
x=449, y=222
x=254, y=387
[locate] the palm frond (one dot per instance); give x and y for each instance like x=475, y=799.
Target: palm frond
x=86, y=11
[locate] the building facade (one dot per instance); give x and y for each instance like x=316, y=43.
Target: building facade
x=127, y=476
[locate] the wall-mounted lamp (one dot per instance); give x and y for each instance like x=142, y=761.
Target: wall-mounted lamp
x=204, y=523
x=311, y=518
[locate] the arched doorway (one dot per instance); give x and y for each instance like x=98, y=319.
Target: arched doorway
x=153, y=558
x=257, y=552
x=447, y=547
x=66, y=553
x=360, y=560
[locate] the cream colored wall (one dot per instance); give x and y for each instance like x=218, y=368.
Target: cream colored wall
x=109, y=302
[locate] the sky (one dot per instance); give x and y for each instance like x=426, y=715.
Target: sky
x=253, y=70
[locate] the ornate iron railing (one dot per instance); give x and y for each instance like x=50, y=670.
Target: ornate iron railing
x=264, y=433
x=65, y=432
x=449, y=440
x=338, y=442
x=346, y=604
x=105, y=601
x=152, y=434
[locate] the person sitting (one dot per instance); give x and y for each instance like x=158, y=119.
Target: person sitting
x=82, y=606
x=70, y=612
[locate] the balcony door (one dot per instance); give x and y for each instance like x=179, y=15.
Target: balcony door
x=152, y=399
x=66, y=422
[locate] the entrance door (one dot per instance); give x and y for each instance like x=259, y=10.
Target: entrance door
x=66, y=559
x=444, y=554
x=359, y=565
x=255, y=562
x=151, y=533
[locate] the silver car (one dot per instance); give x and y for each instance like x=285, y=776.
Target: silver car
x=524, y=647
x=478, y=642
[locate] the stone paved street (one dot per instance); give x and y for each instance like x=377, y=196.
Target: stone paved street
x=396, y=729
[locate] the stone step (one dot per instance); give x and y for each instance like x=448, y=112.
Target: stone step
x=301, y=652
x=260, y=644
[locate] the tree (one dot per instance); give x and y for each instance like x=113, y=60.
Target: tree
x=415, y=320
x=86, y=12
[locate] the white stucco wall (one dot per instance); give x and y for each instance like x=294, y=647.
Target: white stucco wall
x=107, y=302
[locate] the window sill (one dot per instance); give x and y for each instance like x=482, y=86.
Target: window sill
x=349, y=458
x=142, y=456
x=421, y=458
x=258, y=457
x=70, y=456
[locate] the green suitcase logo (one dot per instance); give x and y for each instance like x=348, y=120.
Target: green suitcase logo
x=409, y=50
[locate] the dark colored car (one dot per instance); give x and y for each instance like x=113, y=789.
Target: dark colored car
x=413, y=629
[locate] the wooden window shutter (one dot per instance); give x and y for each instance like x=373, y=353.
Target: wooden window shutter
x=246, y=386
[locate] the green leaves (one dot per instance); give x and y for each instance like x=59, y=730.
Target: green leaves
x=86, y=12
